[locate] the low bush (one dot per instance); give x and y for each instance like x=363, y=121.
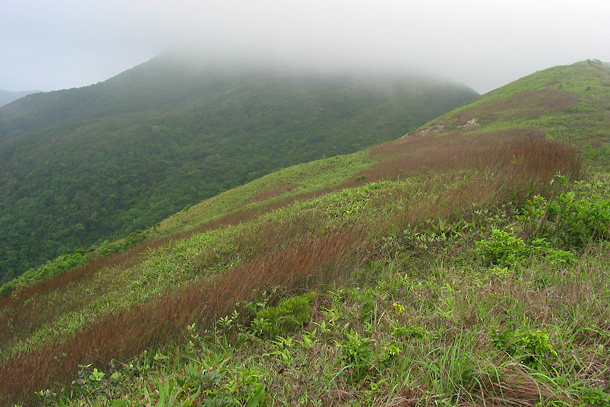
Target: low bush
x=289, y=315
x=531, y=347
x=502, y=248
x=571, y=219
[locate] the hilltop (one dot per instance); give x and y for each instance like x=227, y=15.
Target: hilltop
x=81, y=166
x=465, y=263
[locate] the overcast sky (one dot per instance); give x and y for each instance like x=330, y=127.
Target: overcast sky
x=49, y=45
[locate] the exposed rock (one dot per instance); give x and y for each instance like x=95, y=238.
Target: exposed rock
x=432, y=130
x=471, y=123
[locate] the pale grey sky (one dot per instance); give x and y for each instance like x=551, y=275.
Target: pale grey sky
x=484, y=44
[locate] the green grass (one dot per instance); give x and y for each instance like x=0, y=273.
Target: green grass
x=423, y=324
x=296, y=180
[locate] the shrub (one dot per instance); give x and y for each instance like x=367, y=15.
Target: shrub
x=502, y=248
x=135, y=237
x=289, y=315
x=531, y=347
x=569, y=220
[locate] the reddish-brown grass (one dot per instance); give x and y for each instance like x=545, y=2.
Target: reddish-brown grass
x=510, y=163
x=528, y=104
x=480, y=151
x=271, y=193
x=22, y=315
x=301, y=264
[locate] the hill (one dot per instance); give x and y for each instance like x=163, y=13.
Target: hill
x=7, y=97
x=464, y=264
x=84, y=165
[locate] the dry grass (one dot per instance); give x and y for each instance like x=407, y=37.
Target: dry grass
x=512, y=386
x=299, y=265
x=271, y=193
x=528, y=104
x=508, y=165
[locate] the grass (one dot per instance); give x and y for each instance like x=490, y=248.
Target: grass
x=449, y=269
x=406, y=329
x=568, y=103
x=296, y=180
x=308, y=245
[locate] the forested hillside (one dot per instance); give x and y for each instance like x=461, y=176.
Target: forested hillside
x=83, y=165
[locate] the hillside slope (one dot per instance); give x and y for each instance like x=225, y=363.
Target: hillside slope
x=83, y=165
x=564, y=103
x=465, y=264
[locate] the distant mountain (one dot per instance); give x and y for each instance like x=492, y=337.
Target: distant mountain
x=7, y=97
x=83, y=165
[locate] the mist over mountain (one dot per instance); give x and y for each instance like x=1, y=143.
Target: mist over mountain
x=82, y=165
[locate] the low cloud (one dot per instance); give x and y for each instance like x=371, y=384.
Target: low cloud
x=483, y=44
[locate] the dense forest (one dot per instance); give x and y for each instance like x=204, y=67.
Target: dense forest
x=80, y=166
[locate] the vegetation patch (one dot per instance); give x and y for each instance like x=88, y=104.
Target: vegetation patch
x=290, y=314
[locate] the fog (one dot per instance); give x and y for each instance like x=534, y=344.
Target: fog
x=483, y=44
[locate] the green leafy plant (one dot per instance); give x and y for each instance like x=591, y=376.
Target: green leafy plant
x=409, y=331
x=502, y=248
x=357, y=353
x=571, y=219
x=531, y=347
x=390, y=352
x=580, y=220
x=289, y=315
x=553, y=255
x=594, y=396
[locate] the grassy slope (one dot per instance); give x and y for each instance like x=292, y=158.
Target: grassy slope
x=408, y=305
x=567, y=103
